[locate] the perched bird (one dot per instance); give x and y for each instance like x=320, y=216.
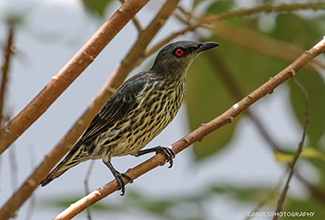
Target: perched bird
x=137, y=112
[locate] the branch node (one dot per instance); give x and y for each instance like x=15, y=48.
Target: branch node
x=162, y=22
x=54, y=78
x=229, y=119
x=121, y=9
x=292, y=71
x=271, y=91
x=308, y=53
x=91, y=58
x=110, y=89
x=186, y=140
x=31, y=183
x=9, y=131
x=249, y=98
x=97, y=193
x=126, y=62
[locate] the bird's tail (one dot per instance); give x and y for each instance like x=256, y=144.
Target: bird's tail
x=74, y=157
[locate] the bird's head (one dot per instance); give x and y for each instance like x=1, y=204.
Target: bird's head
x=174, y=58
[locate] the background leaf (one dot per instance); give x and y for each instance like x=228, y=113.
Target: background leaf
x=220, y=6
x=206, y=98
x=97, y=6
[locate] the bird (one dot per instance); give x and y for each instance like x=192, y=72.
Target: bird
x=136, y=113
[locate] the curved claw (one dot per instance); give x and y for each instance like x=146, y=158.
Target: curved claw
x=121, y=182
x=119, y=177
x=168, y=153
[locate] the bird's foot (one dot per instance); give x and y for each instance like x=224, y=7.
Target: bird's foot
x=119, y=177
x=166, y=151
x=120, y=180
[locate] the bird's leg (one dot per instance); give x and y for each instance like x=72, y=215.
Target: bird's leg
x=166, y=151
x=118, y=176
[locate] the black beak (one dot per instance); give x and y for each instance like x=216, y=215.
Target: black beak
x=206, y=46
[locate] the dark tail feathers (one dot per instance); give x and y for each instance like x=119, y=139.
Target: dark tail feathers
x=77, y=155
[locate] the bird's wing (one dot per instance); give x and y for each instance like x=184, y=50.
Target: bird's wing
x=123, y=101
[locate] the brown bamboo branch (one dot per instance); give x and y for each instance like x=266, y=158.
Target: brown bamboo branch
x=84, y=57
x=135, y=21
x=69, y=73
x=200, y=133
x=5, y=69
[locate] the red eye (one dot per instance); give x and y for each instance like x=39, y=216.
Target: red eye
x=179, y=52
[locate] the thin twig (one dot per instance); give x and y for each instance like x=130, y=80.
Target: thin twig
x=184, y=16
x=198, y=134
x=299, y=150
x=5, y=69
x=87, y=191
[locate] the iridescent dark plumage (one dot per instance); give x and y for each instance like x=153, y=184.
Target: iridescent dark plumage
x=137, y=112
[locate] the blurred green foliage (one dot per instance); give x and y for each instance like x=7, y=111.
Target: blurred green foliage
x=97, y=6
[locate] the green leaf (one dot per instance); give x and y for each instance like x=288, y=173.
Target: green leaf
x=98, y=6
x=206, y=98
x=197, y=2
x=314, y=85
x=296, y=30
x=220, y=6
x=214, y=6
